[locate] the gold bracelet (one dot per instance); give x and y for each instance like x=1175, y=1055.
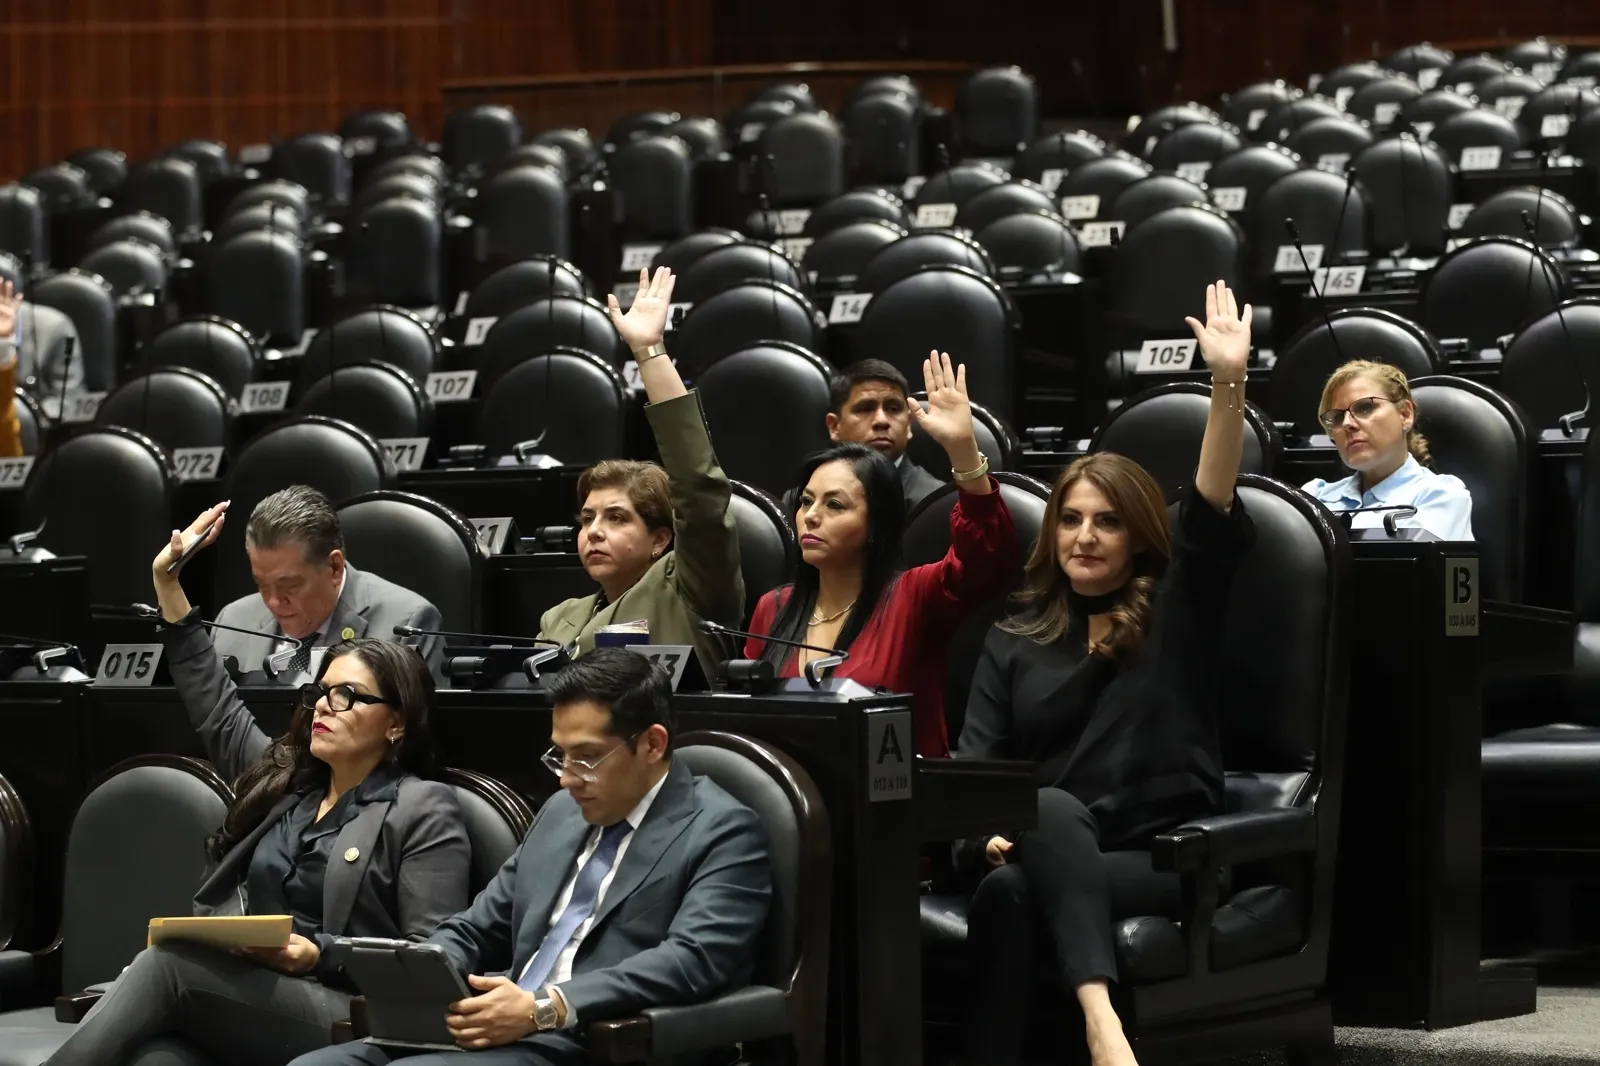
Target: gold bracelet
x=982, y=469
x=1233, y=391
x=650, y=353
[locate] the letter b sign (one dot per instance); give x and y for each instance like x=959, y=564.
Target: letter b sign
x=1461, y=597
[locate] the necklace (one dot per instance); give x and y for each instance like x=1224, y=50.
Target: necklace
x=818, y=621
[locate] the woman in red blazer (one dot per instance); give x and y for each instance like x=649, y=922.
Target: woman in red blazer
x=849, y=591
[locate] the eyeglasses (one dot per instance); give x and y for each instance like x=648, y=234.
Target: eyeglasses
x=340, y=697
x=585, y=770
x=1363, y=409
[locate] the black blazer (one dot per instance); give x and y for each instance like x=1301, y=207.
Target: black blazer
x=399, y=867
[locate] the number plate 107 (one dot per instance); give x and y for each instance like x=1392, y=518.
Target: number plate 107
x=128, y=666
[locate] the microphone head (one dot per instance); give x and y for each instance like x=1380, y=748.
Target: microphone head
x=1527, y=223
x=1294, y=231
x=406, y=631
x=705, y=626
x=144, y=610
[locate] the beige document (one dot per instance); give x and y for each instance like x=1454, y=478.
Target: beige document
x=239, y=931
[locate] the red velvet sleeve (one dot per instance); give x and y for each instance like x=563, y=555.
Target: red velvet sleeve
x=983, y=553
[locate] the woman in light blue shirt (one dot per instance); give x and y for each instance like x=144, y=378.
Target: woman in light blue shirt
x=1368, y=411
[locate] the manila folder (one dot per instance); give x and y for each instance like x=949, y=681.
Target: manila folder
x=236, y=931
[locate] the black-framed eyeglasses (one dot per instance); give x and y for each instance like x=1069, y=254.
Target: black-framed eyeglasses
x=340, y=697
x=558, y=762
x=1363, y=409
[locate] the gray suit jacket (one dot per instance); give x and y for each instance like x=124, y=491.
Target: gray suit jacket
x=412, y=856
x=42, y=367
x=680, y=923
x=369, y=607
x=915, y=482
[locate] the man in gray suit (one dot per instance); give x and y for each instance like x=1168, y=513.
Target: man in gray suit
x=640, y=885
x=309, y=593
x=44, y=366
x=871, y=405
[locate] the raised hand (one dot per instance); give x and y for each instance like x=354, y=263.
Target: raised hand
x=10, y=305
x=182, y=539
x=646, y=321
x=1225, y=337
x=948, y=418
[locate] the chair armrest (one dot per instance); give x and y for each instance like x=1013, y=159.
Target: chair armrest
x=18, y=976
x=355, y=1026
x=1234, y=839
x=752, y=1013
x=71, y=1008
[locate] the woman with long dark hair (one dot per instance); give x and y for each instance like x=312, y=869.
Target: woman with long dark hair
x=849, y=591
x=335, y=824
x=1106, y=680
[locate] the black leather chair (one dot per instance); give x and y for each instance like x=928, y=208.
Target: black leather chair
x=958, y=184
x=106, y=168
x=1142, y=139
x=394, y=251
x=883, y=137
x=333, y=457
x=1030, y=243
x=316, y=162
x=1323, y=141
x=257, y=279
x=682, y=253
x=414, y=162
x=579, y=147
x=406, y=181
x=996, y=440
x=290, y=199
x=575, y=402
x=1553, y=363
x=653, y=179
x=1057, y=151
x=142, y=226
x=857, y=205
x=31, y=421
x=927, y=538
x=82, y=482
x=1323, y=345
x=786, y=1002
x=222, y=350
x=639, y=125
x=1411, y=188
x=1380, y=102
x=1327, y=210
x=176, y=407
x=130, y=266
x=65, y=187
x=519, y=284
x=420, y=544
x=523, y=211
x=749, y=313
x=259, y=216
x=24, y=225
x=574, y=322
x=88, y=300
x=209, y=157
x=1162, y=269
x=1487, y=289
x=373, y=396
x=837, y=258
x=1556, y=219
x=1161, y=430
x=704, y=136
x=1014, y=197
x=997, y=112
x=951, y=309
x=386, y=334
x=805, y=160
x=387, y=129
x=1244, y=966
x=1479, y=436
x=1248, y=108
x=170, y=187
x=141, y=828
x=767, y=548
x=1196, y=144
x=1477, y=128
x=766, y=405
x=1103, y=179
x=909, y=254
x=476, y=136
x=722, y=268
x=1152, y=195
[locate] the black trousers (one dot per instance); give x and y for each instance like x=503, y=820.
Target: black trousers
x=1051, y=908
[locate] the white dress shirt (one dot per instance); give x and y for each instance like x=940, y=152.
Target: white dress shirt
x=563, y=969
x=319, y=637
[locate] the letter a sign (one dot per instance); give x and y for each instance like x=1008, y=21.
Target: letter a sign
x=890, y=747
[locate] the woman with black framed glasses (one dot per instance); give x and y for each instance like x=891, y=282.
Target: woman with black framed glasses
x=335, y=823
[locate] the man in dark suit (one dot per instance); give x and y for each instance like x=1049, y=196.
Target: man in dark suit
x=639, y=885
x=310, y=593
x=871, y=405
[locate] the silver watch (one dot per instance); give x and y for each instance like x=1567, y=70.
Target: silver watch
x=545, y=1015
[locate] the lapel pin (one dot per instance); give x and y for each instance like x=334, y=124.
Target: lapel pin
x=347, y=633
x=352, y=854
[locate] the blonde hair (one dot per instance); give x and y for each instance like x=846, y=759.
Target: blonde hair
x=1396, y=389
x=1138, y=500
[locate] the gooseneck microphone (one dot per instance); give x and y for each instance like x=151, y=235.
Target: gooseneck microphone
x=1392, y=514
x=272, y=665
x=1572, y=419
x=1316, y=294
x=481, y=638
x=813, y=669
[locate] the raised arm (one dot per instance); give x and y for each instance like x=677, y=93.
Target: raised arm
x=1225, y=347
x=228, y=730
x=705, y=542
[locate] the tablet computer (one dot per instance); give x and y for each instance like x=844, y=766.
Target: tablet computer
x=409, y=989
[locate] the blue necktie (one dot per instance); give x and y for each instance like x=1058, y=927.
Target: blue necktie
x=585, y=894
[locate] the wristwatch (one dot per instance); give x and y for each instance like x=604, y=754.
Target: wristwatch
x=545, y=1014
x=644, y=355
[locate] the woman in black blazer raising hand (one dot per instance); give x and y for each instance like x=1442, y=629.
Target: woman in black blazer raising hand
x=335, y=823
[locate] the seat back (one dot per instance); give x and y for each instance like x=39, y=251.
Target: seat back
x=997, y=111
x=131, y=266
x=1162, y=268
x=1330, y=143
x=1553, y=363
x=387, y=129
x=87, y=299
x=257, y=279
x=703, y=135
x=1161, y=430
x=16, y=861
x=857, y=205
x=1324, y=344
x=1479, y=436
x=65, y=187
x=1152, y=195
x=653, y=178
x=107, y=168
x=522, y=283
x=958, y=184
x=766, y=406
x=995, y=438
x=135, y=851
x=384, y=334
x=573, y=401
x=82, y=482
x=523, y=211
x=1487, y=289
x=176, y=407
x=883, y=136
x=766, y=542
x=1248, y=107
x=169, y=187
x=805, y=160
x=496, y=820
x=422, y=545
x=904, y=257
x=1327, y=211
x=142, y=226
x=794, y=944
x=747, y=314
x=291, y=200
x=333, y=457
x=1031, y=243
x=577, y=145
x=566, y=322
x=395, y=253
x=1014, y=197
x=837, y=257
x=1555, y=218
x=1058, y=152
x=734, y=264
x=1476, y=128
x=1195, y=144
x=267, y=215
x=927, y=538
x=317, y=163
x=377, y=397
x=682, y=253
x=475, y=136
x=24, y=226
x=222, y=350
x=1103, y=179
x=1411, y=187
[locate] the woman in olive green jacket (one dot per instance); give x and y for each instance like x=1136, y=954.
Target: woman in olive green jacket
x=659, y=540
